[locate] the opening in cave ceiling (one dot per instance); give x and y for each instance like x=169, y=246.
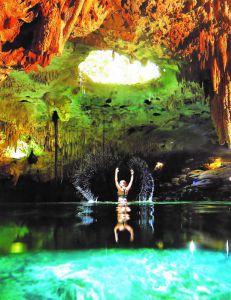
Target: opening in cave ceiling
x=107, y=66
x=102, y=103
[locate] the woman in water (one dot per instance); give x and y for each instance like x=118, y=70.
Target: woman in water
x=122, y=186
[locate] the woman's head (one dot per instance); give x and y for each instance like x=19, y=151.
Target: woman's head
x=123, y=183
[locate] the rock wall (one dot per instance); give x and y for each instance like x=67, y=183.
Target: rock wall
x=32, y=32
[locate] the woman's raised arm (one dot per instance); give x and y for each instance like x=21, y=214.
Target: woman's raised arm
x=116, y=179
x=131, y=180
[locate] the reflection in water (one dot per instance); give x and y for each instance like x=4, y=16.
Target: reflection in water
x=175, y=269
x=96, y=225
x=123, y=216
x=18, y=247
x=84, y=213
x=10, y=235
x=147, y=217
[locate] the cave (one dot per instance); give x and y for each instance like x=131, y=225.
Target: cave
x=115, y=138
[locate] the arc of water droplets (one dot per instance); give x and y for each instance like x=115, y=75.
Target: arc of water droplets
x=147, y=184
x=87, y=169
x=92, y=164
x=87, y=194
x=147, y=189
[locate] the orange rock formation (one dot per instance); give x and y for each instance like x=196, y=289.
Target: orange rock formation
x=33, y=31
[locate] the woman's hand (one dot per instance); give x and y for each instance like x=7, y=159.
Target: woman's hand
x=117, y=170
x=132, y=172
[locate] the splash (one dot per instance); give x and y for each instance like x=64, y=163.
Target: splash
x=85, y=171
x=87, y=194
x=147, y=181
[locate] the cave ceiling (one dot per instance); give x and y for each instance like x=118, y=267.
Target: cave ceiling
x=43, y=42
x=87, y=109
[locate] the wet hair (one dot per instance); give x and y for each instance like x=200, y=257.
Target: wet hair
x=123, y=181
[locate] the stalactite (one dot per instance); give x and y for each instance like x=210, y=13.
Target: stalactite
x=215, y=75
x=227, y=112
x=213, y=53
x=222, y=50
x=32, y=32
x=45, y=77
x=51, y=24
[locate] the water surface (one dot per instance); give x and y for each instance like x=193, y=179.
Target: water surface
x=70, y=251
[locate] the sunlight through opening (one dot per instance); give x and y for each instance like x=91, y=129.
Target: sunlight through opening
x=110, y=67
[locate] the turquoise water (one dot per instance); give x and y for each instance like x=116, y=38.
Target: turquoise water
x=116, y=274
x=69, y=251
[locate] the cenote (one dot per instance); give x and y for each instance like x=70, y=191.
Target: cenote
x=115, y=160
x=68, y=251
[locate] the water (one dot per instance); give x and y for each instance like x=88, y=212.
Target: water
x=93, y=166
x=69, y=251
x=116, y=274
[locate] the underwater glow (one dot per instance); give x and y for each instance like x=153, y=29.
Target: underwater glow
x=17, y=247
x=107, y=66
x=96, y=274
x=192, y=247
